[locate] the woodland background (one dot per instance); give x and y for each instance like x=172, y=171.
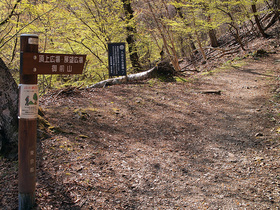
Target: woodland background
x=152, y=144
x=153, y=30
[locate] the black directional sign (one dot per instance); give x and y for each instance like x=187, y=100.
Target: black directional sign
x=117, y=60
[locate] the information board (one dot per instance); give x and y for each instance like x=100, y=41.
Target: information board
x=117, y=59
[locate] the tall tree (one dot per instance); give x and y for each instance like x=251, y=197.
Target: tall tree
x=131, y=33
x=163, y=30
x=182, y=17
x=233, y=16
x=208, y=10
x=275, y=7
x=257, y=20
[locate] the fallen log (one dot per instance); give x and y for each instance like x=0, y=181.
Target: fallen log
x=163, y=68
x=218, y=92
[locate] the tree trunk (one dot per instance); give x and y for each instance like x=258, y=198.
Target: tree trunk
x=200, y=46
x=254, y=9
x=237, y=36
x=180, y=13
x=213, y=38
x=275, y=6
x=8, y=111
x=235, y=26
x=192, y=45
x=130, y=39
x=211, y=31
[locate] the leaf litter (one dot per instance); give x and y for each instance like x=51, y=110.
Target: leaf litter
x=165, y=146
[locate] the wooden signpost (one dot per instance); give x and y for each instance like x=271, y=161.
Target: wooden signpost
x=33, y=63
x=45, y=63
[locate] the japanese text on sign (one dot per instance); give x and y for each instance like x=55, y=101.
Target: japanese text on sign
x=44, y=63
x=57, y=60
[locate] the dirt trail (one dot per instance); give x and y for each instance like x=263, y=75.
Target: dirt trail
x=149, y=148
x=163, y=145
x=240, y=141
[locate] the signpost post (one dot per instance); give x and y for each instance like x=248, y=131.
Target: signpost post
x=27, y=133
x=33, y=63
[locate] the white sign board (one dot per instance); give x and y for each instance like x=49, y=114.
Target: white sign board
x=28, y=101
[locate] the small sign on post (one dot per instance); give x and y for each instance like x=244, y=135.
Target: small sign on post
x=117, y=59
x=29, y=101
x=33, y=63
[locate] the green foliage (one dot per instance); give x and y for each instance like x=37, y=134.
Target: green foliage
x=87, y=26
x=181, y=80
x=35, y=97
x=154, y=82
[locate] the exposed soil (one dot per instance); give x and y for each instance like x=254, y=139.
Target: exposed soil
x=159, y=145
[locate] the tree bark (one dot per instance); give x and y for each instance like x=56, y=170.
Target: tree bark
x=8, y=111
x=130, y=39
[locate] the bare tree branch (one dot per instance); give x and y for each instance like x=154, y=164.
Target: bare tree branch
x=26, y=26
x=87, y=47
x=11, y=14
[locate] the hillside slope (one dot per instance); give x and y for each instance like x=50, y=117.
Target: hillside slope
x=160, y=145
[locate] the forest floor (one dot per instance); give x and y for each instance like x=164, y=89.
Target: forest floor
x=158, y=145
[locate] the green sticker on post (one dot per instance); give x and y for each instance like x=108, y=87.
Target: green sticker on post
x=28, y=101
